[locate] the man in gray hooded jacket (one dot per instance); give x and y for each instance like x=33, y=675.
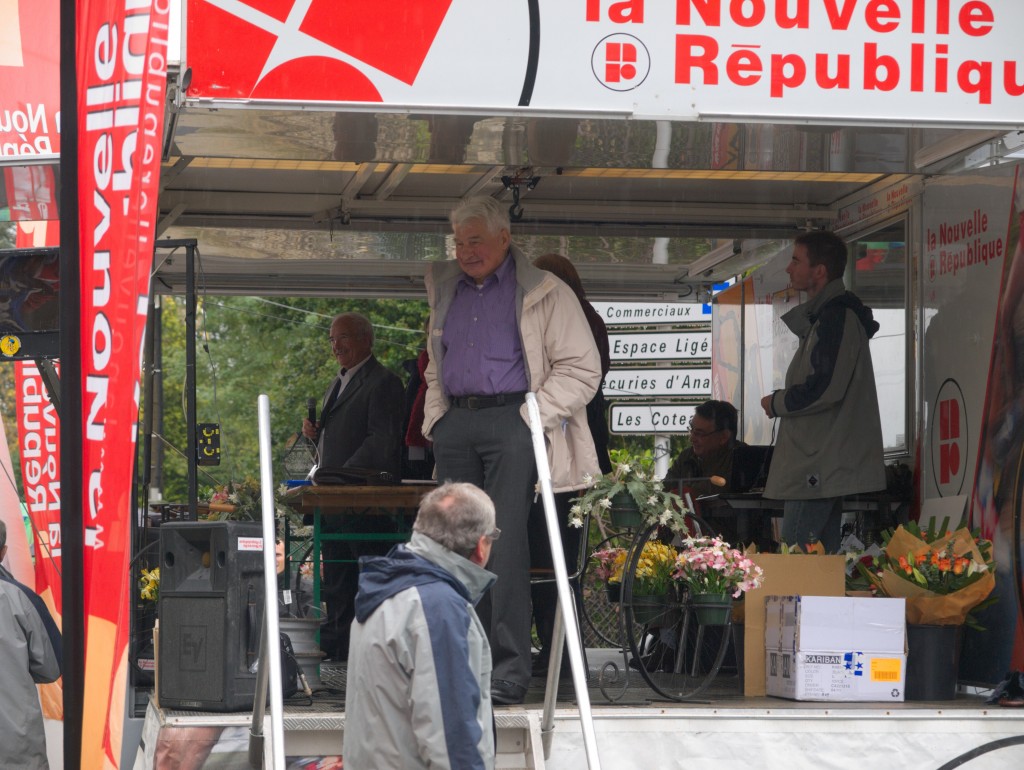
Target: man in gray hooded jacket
x=830, y=436
x=418, y=690
x=30, y=648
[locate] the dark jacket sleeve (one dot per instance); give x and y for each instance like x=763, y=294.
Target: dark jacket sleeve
x=381, y=447
x=833, y=357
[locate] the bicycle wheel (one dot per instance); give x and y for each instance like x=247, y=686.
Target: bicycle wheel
x=677, y=656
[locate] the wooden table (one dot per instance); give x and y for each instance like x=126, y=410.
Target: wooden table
x=394, y=503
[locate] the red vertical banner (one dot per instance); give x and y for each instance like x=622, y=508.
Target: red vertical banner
x=122, y=70
x=39, y=445
x=38, y=441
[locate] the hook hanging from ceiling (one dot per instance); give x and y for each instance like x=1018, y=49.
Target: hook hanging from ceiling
x=515, y=211
x=513, y=183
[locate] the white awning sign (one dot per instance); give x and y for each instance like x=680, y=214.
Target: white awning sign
x=660, y=346
x=657, y=383
x=652, y=418
x=646, y=313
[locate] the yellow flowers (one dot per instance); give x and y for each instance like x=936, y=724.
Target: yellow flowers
x=149, y=584
x=653, y=570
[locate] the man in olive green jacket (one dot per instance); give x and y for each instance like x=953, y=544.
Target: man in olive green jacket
x=830, y=436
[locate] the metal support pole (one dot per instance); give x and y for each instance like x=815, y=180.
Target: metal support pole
x=259, y=707
x=565, y=605
x=145, y=470
x=270, y=638
x=662, y=453
x=191, y=445
x=73, y=500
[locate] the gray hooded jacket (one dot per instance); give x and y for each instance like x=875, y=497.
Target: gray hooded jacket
x=419, y=666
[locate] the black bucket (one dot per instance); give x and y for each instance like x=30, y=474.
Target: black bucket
x=933, y=658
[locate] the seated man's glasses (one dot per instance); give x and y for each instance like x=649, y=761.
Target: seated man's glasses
x=493, y=535
x=698, y=433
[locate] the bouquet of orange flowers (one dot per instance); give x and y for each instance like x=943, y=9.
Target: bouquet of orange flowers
x=943, y=575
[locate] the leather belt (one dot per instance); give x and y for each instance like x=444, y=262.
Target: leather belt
x=486, y=402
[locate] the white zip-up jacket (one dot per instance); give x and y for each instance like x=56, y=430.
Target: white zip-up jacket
x=563, y=367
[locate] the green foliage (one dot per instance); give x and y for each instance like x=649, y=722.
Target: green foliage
x=248, y=346
x=632, y=477
x=7, y=230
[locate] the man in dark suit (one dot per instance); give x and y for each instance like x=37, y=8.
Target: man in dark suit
x=360, y=427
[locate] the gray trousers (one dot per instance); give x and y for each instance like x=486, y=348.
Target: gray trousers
x=808, y=521
x=492, y=448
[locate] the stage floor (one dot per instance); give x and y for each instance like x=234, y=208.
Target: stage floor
x=639, y=730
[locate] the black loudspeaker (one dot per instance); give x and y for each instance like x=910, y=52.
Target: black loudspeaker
x=211, y=612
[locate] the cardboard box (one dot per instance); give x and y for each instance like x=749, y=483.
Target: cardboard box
x=784, y=575
x=828, y=648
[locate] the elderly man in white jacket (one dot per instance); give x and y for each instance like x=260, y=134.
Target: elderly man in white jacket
x=499, y=328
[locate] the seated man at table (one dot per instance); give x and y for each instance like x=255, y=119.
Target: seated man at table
x=418, y=688
x=712, y=443
x=360, y=427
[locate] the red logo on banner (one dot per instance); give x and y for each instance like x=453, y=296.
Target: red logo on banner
x=267, y=49
x=620, y=62
x=949, y=439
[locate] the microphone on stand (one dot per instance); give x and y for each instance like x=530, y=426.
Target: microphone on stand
x=717, y=481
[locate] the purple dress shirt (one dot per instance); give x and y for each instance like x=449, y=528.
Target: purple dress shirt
x=483, y=354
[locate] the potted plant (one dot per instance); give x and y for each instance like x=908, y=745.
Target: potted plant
x=631, y=496
x=610, y=564
x=714, y=573
x=654, y=592
x=149, y=584
x=943, y=576
x=142, y=653
x=243, y=501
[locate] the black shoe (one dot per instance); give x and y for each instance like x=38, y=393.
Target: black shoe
x=1010, y=691
x=506, y=693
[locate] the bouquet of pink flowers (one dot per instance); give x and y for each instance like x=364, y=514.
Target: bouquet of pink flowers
x=610, y=562
x=711, y=566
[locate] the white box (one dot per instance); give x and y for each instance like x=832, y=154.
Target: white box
x=835, y=648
